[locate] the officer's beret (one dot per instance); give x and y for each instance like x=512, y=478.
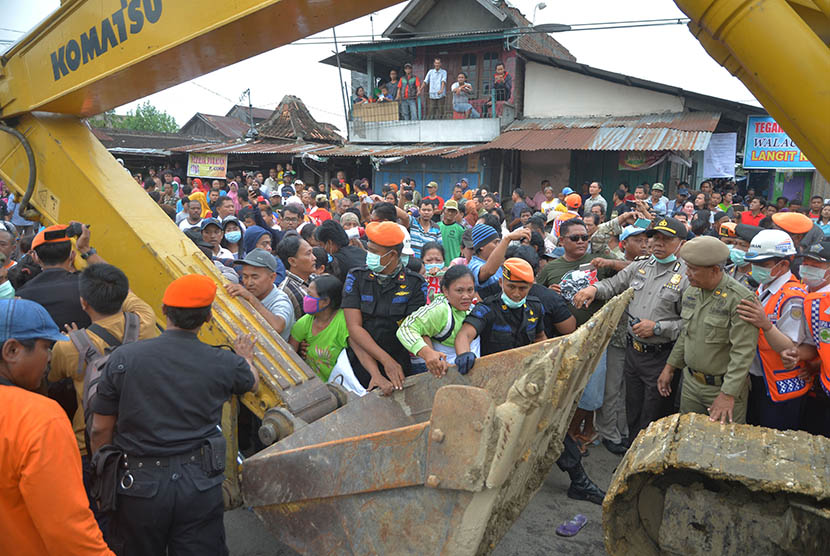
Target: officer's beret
x=191, y=291
x=704, y=251
x=793, y=222
x=517, y=270
x=385, y=234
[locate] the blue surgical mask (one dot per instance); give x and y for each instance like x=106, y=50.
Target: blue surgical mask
x=737, y=256
x=233, y=237
x=510, y=303
x=670, y=259
x=6, y=290
x=433, y=266
x=761, y=275
x=404, y=260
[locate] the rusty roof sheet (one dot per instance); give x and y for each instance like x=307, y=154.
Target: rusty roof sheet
x=229, y=127
x=388, y=151
x=684, y=121
x=599, y=139
x=255, y=147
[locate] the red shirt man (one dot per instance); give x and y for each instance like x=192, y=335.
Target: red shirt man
x=754, y=215
x=432, y=189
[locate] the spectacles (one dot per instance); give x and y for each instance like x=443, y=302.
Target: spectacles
x=575, y=238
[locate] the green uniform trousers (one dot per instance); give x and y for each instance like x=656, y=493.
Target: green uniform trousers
x=697, y=398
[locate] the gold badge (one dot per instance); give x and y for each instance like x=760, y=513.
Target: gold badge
x=676, y=279
x=662, y=223
x=717, y=292
x=723, y=295
x=641, y=271
x=796, y=313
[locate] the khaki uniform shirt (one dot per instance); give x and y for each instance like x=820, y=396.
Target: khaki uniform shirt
x=714, y=339
x=658, y=289
x=65, y=357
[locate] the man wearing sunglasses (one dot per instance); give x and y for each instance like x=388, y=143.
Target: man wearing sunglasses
x=654, y=319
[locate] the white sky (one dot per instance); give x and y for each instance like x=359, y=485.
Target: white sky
x=669, y=55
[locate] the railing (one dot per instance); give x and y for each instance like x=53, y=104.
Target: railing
x=424, y=108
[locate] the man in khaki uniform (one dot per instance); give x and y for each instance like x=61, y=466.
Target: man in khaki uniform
x=659, y=282
x=716, y=345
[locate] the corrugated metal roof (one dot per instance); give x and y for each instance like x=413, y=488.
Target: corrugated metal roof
x=229, y=127
x=256, y=147
x=686, y=121
x=599, y=139
x=384, y=151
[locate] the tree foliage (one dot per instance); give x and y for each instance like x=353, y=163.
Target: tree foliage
x=145, y=117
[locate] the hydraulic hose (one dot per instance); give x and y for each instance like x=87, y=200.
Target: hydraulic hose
x=30, y=156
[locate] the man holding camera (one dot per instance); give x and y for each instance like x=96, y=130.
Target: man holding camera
x=56, y=288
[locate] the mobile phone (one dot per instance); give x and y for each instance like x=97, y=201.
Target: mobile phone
x=586, y=267
x=642, y=223
x=630, y=205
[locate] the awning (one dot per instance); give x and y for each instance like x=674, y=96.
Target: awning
x=662, y=132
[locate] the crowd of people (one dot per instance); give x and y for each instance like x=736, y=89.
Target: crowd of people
x=427, y=98
x=730, y=317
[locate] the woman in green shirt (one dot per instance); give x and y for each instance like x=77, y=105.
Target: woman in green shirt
x=440, y=321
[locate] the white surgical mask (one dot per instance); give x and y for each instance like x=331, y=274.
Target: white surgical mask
x=812, y=276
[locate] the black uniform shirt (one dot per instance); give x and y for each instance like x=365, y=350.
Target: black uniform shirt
x=502, y=328
x=556, y=308
x=385, y=306
x=347, y=258
x=57, y=290
x=168, y=392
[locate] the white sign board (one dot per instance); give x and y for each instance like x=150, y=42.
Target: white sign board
x=719, y=156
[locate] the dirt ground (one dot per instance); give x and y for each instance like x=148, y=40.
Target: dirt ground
x=533, y=534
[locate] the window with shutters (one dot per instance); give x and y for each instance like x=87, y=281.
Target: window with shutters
x=469, y=65
x=488, y=68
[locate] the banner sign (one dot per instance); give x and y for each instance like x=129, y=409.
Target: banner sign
x=769, y=147
x=202, y=165
x=640, y=160
x=719, y=156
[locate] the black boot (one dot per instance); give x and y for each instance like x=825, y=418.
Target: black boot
x=582, y=487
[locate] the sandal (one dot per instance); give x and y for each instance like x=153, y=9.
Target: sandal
x=572, y=527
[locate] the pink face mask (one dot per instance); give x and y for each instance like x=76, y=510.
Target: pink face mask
x=311, y=305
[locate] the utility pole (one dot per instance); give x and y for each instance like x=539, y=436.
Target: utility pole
x=340, y=73
x=252, y=132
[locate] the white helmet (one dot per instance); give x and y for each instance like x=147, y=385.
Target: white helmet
x=770, y=243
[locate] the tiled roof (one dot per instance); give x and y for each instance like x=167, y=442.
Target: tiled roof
x=293, y=122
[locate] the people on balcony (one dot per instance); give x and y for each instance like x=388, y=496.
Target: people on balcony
x=360, y=96
x=437, y=80
x=408, y=89
x=461, y=92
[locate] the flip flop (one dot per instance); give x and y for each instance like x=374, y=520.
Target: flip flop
x=572, y=527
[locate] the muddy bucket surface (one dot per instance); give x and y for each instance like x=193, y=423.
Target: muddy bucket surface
x=444, y=466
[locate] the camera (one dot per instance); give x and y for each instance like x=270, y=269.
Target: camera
x=75, y=229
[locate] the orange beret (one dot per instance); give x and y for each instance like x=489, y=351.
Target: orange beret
x=40, y=238
x=191, y=291
x=573, y=200
x=393, y=187
x=793, y=222
x=517, y=270
x=387, y=234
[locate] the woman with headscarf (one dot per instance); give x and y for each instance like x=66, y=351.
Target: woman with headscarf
x=233, y=194
x=200, y=185
x=200, y=196
x=257, y=237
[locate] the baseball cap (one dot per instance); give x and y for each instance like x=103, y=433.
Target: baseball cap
x=670, y=227
x=819, y=252
x=44, y=235
x=287, y=191
x=573, y=200
x=567, y=191
x=274, y=193
x=432, y=185
x=452, y=204
x=23, y=319
x=208, y=221
x=261, y=258
x=683, y=191
x=629, y=231
x=658, y=186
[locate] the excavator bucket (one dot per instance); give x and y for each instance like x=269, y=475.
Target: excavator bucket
x=690, y=486
x=442, y=467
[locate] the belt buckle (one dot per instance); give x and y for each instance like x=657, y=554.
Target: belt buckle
x=699, y=377
x=637, y=346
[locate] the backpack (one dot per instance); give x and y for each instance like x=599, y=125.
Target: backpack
x=91, y=361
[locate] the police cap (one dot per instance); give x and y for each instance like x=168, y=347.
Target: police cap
x=670, y=227
x=704, y=251
x=819, y=252
x=746, y=231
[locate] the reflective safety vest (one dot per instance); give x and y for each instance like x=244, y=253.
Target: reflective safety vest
x=782, y=384
x=817, y=311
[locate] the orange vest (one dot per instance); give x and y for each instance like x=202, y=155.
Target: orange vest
x=782, y=384
x=817, y=310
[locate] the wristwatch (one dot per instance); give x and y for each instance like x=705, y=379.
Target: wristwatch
x=91, y=251
x=657, y=328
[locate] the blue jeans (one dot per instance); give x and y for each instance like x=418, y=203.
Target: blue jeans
x=594, y=392
x=464, y=107
x=409, y=110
